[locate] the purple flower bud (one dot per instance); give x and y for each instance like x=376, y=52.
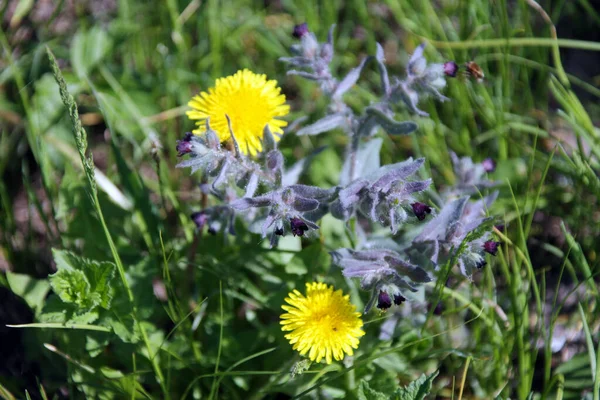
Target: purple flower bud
x=399, y=299
x=421, y=210
x=200, y=219
x=491, y=247
x=298, y=226
x=383, y=301
x=489, y=165
x=300, y=30
x=450, y=68
x=184, y=146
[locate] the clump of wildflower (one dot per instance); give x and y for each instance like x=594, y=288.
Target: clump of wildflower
x=383, y=196
x=383, y=271
x=462, y=229
x=251, y=102
x=323, y=324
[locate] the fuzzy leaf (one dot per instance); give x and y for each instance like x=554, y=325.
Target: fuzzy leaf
x=349, y=80
x=325, y=124
x=385, y=80
x=390, y=125
x=366, y=161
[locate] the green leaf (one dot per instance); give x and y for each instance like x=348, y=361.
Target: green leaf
x=98, y=275
x=366, y=393
x=33, y=291
x=72, y=287
x=416, y=390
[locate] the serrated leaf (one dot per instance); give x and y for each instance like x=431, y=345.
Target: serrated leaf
x=98, y=276
x=417, y=389
x=71, y=286
x=366, y=393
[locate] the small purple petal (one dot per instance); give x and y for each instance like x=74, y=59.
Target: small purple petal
x=298, y=226
x=450, y=69
x=421, y=210
x=184, y=146
x=491, y=247
x=300, y=30
x=489, y=165
x=383, y=301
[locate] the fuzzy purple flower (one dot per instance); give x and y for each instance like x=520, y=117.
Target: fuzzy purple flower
x=300, y=30
x=491, y=247
x=489, y=165
x=450, y=69
x=383, y=301
x=298, y=226
x=421, y=210
x=184, y=146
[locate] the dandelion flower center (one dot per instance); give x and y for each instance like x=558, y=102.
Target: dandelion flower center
x=250, y=101
x=323, y=324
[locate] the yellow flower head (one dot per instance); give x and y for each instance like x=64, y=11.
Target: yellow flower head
x=250, y=101
x=323, y=323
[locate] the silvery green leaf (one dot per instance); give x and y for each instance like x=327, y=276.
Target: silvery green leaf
x=350, y=79
x=296, y=61
x=307, y=75
x=366, y=126
x=410, y=97
x=274, y=161
x=414, y=272
x=252, y=185
x=385, y=80
x=325, y=124
x=365, y=160
x=248, y=202
x=396, y=172
x=313, y=192
x=390, y=125
x=236, y=146
x=269, y=142
x=212, y=140
x=222, y=176
x=415, y=186
x=302, y=204
x=350, y=194
x=417, y=63
x=445, y=223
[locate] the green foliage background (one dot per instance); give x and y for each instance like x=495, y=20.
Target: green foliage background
x=114, y=229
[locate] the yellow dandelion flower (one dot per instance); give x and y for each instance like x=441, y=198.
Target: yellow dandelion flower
x=323, y=323
x=250, y=101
